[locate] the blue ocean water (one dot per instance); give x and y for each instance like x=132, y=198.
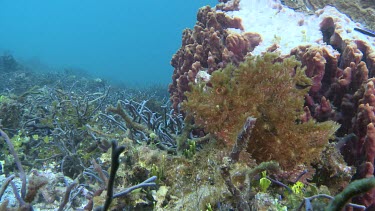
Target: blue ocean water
x=117, y=40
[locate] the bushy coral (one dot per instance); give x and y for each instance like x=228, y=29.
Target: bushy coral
x=267, y=88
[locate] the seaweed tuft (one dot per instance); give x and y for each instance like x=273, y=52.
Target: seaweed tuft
x=267, y=88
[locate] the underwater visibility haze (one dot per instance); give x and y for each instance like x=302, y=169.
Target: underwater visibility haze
x=270, y=105
x=120, y=41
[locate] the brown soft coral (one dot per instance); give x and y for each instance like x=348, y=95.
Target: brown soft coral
x=266, y=90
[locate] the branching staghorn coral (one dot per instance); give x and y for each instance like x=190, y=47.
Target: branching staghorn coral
x=142, y=123
x=56, y=134
x=271, y=90
x=151, y=122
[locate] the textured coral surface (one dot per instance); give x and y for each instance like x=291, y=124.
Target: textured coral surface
x=362, y=11
x=268, y=91
x=339, y=61
x=209, y=46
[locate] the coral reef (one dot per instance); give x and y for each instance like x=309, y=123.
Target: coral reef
x=362, y=11
x=58, y=131
x=11, y=112
x=357, y=187
x=8, y=63
x=256, y=85
x=256, y=130
x=208, y=46
x=340, y=63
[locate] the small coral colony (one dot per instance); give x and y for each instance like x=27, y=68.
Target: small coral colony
x=271, y=107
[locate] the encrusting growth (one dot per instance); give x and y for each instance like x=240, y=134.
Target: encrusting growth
x=272, y=90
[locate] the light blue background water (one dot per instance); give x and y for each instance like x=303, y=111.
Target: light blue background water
x=129, y=42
